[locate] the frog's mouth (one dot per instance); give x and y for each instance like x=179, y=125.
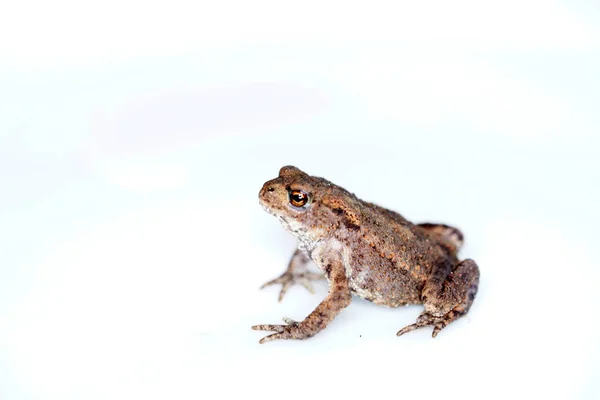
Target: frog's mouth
x=295, y=228
x=279, y=217
x=286, y=224
x=267, y=209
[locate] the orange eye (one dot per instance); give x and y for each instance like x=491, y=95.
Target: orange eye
x=298, y=198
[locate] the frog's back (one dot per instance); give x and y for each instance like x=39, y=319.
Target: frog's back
x=390, y=258
x=435, y=240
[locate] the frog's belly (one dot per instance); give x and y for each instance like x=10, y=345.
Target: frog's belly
x=391, y=287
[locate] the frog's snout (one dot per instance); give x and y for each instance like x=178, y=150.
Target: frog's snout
x=268, y=192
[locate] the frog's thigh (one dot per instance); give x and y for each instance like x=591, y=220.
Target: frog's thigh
x=456, y=293
x=450, y=237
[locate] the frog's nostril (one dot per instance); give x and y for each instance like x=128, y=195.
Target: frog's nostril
x=271, y=189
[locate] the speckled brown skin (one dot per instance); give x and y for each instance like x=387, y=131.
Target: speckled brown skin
x=368, y=251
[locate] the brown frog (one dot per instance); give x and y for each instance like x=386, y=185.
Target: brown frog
x=368, y=251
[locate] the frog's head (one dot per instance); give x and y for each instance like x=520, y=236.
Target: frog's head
x=312, y=208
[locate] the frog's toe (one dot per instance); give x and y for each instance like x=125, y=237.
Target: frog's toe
x=287, y=331
x=289, y=279
x=438, y=323
x=439, y=326
x=407, y=329
x=424, y=319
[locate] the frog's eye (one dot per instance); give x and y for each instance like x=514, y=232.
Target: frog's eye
x=298, y=198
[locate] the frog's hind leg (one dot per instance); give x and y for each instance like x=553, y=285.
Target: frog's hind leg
x=450, y=237
x=447, y=300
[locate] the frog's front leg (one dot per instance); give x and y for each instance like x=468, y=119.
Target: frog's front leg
x=337, y=299
x=447, y=296
x=296, y=272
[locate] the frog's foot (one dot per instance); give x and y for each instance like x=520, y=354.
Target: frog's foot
x=451, y=300
x=427, y=319
x=292, y=330
x=288, y=279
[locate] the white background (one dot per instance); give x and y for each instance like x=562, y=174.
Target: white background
x=134, y=138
